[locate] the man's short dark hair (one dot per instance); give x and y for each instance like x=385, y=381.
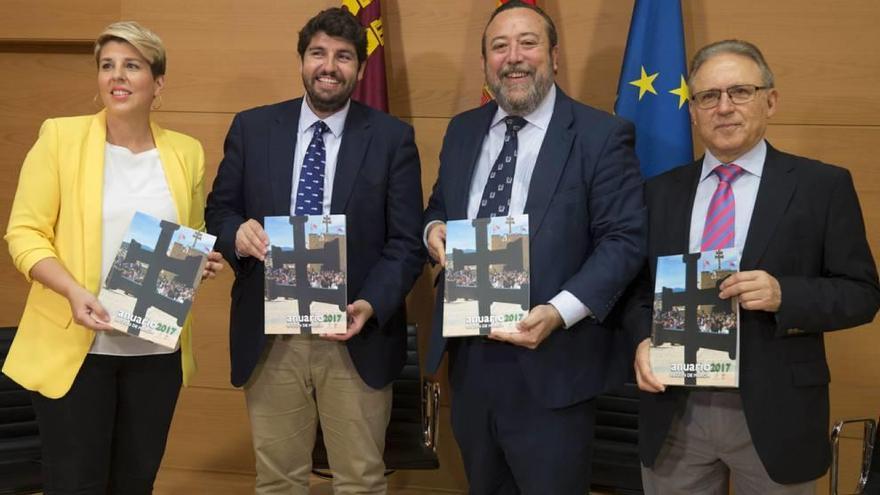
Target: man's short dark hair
x=337, y=23
x=519, y=4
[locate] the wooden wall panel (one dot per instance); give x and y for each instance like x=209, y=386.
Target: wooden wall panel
x=210, y=432
x=236, y=55
x=34, y=87
x=823, y=53
x=56, y=19
x=225, y=56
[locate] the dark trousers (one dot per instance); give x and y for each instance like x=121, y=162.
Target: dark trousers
x=510, y=444
x=107, y=434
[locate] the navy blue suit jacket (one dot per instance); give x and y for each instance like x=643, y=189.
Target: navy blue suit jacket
x=587, y=236
x=377, y=186
x=807, y=231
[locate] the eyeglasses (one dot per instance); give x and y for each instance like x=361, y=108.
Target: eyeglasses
x=739, y=94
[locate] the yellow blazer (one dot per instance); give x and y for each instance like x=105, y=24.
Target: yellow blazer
x=57, y=213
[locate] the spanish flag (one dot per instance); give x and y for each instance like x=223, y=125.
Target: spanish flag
x=372, y=90
x=487, y=95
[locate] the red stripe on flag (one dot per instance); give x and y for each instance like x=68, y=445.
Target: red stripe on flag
x=372, y=89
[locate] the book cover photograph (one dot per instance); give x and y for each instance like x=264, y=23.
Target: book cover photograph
x=149, y=289
x=487, y=275
x=306, y=275
x=695, y=337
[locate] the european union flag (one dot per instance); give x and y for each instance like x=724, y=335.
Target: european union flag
x=653, y=91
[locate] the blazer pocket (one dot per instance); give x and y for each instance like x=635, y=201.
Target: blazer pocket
x=810, y=373
x=51, y=306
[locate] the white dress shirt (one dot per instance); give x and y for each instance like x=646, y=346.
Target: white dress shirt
x=745, y=190
x=529, y=140
x=332, y=140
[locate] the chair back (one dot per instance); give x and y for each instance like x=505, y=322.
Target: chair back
x=19, y=437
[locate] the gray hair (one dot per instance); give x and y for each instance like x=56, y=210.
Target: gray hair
x=736, y=47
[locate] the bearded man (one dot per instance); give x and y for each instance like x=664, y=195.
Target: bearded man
x=522, y=403
x=362, y=163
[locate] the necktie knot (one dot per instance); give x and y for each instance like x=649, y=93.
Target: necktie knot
x=728, y=173
x=320, y=128
x=514, y=123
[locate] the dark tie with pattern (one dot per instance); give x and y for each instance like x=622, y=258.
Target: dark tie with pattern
x=496, y=195
x=310, y=192
x=719, y=232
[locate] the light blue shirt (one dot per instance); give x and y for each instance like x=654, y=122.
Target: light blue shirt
x=745, y=190
x=332, y=140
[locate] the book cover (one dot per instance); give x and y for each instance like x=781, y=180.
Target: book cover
x=695, y=338
x=306, y=275
x=487, y=275
x=149, y=289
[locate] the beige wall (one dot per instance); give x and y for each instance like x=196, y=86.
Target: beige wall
x=227, y=55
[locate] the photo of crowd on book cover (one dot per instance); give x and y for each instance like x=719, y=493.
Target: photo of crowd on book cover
x=305, y=275
x=487, y=275
x=695, y=338
x=149, y=289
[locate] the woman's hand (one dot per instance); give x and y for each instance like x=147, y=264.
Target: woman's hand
x=213, y=266
x=87, y=310
x=85, y=307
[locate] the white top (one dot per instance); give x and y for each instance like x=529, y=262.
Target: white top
x=332, y=140
x=132, y=182
x=745, y=190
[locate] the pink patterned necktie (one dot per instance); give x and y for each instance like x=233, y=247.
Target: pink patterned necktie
x=719, y=231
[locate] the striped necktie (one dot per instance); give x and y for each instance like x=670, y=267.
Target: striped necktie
x=720, y=229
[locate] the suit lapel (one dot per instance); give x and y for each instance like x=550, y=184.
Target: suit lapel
x=774, y=194
x=92, y=199
x=677, y=208
x=352, y=150
x=175, y=174
x=282, y=145
x=467, y=153
x=550, y=162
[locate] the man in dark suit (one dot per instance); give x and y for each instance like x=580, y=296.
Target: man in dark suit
x=522, y=408
x=806, y=268
x=370, y=169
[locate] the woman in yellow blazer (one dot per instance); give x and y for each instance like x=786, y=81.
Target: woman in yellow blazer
x=104, y=400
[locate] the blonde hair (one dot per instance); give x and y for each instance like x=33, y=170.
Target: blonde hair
x=142, y=39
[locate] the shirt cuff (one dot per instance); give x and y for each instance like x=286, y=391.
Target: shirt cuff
x=427, y=228
x=570, y=308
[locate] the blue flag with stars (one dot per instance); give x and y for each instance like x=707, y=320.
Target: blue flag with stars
x=653, y=92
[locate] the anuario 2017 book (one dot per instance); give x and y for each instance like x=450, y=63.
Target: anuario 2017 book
x=487, y=275
x=695, y=337
x=149, y=289
x=306, y=275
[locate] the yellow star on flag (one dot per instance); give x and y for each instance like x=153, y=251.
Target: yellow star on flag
x=682, y=92
x=645, y=83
